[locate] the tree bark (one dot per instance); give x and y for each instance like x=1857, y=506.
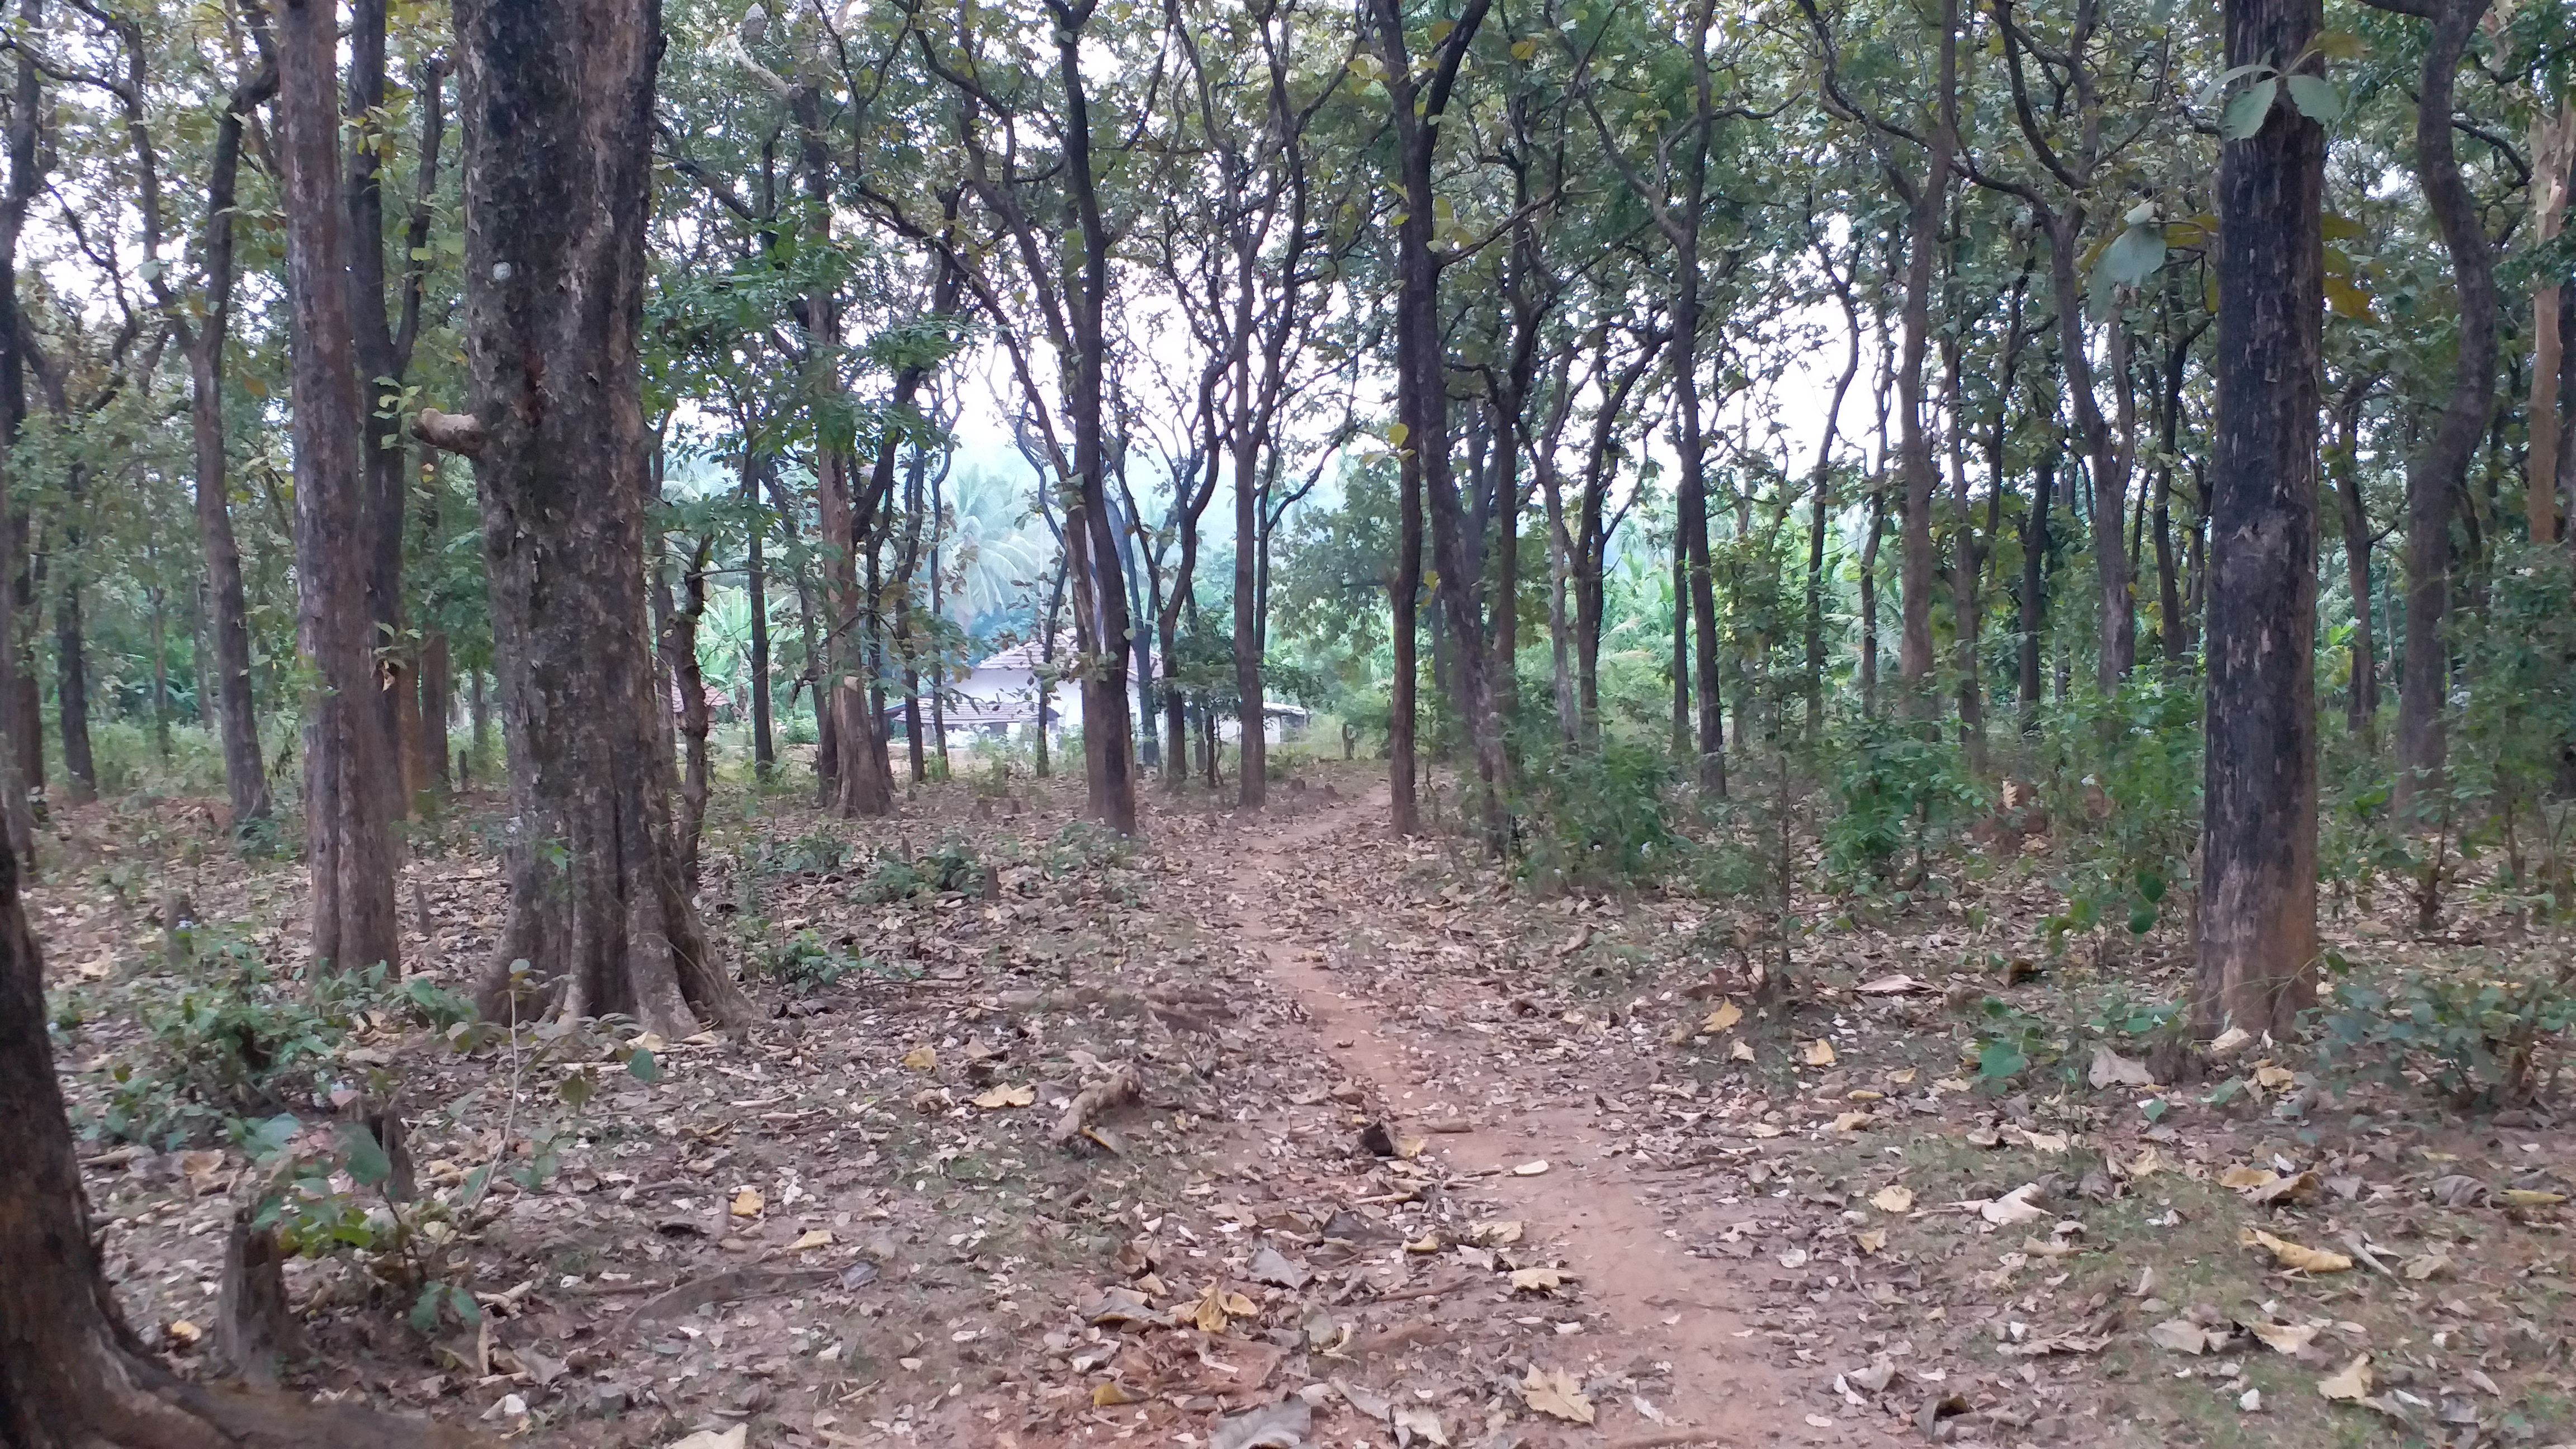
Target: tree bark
x=236, y=713
x=2553, y=152
x=2361, y=695
x=71, y=670
x=22, y=761
x=1914, y=449
x=348, y=847
x=2258, y=897
x=2439, y=470
x=556, y=103
x=755, y=587
x=2034, y=580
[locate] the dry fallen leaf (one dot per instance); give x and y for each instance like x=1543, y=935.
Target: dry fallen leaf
x=1872, y=1241
x=2292, y=1255
x=1741, y=1052
x=2290, y=1338
x=815, y=1238
x=1536, y=1280
x=1726, y=1015
x=733, y=1438
x=2523, y=1197
x=2184, y=1336
x=1006, y=1096
x=1530, y=1169
x=2014, y=1208
x=1852, y=1121
x=921, y=1059
x=1110, y=1393
x=2425, y=1266
x=2110, y=1069
x=1820, y=1053
x=2273, y=1079
x=2351, y=1384
x=747, y=1203
x=1895, y=1199
x=1556, y=1393
x=1423, y=1422
x=1897, y=985
x=1496, y=1231
x=2238, y=1179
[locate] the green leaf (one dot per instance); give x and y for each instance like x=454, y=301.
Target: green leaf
x=1396, y=433
x=2134, y=255
x=2245, y=114
x=2000, y=1059
x=2142, y=919
x=2316, y=98
x=365, y=1156
x=2340, y=45
x=641, y=1066
x=424, y=1309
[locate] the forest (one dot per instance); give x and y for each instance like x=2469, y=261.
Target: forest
x=1240, y=722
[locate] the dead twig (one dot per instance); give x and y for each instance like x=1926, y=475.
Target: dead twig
x=1120, y=1090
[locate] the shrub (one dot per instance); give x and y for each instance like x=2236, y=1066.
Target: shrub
x=2476, y=1040
x=814, y=853
x=954, y=866
x=1597, y=819
x=1902, y=790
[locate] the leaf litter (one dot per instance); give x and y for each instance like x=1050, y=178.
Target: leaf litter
x=1078, y=1161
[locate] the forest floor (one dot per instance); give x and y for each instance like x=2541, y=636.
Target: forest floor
x=1413, y=1156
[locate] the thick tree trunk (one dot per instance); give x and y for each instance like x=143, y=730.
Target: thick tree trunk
x=2258, y=897
x=22, y=760
x=348, y=847
x=556, y=102
x=2440, y=469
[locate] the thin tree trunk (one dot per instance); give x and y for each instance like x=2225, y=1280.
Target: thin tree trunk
x=2361, y=697
x=348, y=847
x=1681, y=648
x=1869, y=600
x=2258, y=898
x=755, y=585
x=557, y=110
x=2439, y=470
x=71, y=676
x=1965, y=570
x=1914, y=449
x=2034, y=580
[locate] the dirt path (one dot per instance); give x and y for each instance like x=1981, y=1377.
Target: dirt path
x=1623, y=1231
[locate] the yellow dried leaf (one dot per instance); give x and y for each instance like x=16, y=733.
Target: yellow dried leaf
x=1006, y=1096
x=1411, y=1147
x=814, y=1238
x=1852, y=1121
x=2524, y=1197
x=1536, y=1280
x=2241, y=1178
x=2290, y=1338
x=1820, y=1053
x=183, y=1332
x=1726, y=1015
x=921, y=1059
x=1904, y=1078
x=1556, y=1393
x=2349, y=1385
x=1530, y=1169
x=2292, y=1255
x=1895, y=1199
x=1427, y=1243
x=2273, y=1079
x=1740, y=1052
x=1110, y=1394
x=1872, y=1241
x=747, y=1203
x=1237, y=1305
x=1764, y=1129
x=1497, y=1231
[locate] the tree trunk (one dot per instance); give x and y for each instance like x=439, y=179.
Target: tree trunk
x=2034, y=583
x=348, y=847
x=755, y=586
x=1914, y=450
x=1965, y=570
x=235, y=712
x=437, y=703
x=680, y=620
x=71, y=678
x=2553, y=152
x=1251, y=777
x=2361, y=696
x=1404, y=594
x=557, y=106
x=2258, y=897
x=2439, y=470
x=22, y=761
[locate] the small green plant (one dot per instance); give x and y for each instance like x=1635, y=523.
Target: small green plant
x=954, y=866
x=814, y=853
x=1087, y=845
x=806, y=963
x=2487, y=1039
x=2012, y=1042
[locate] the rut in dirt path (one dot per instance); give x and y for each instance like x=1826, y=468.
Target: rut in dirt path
x=1622, y=1231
